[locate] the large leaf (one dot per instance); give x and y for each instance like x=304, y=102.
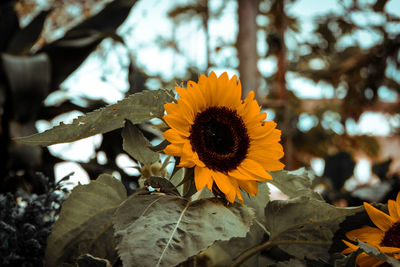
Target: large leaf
x=137, y=146
x=85, y=222
x=137, y=108
x=223, y=253
x=164, y=230
x=294, y=183
x=304, y=227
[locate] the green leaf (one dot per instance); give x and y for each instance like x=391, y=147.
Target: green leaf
x=223, y=253
x=137, y=146
x=164, y=230
x=303, y=226
x=85, y=222
x=374, y=252
x=294, y=183
x=137, y=108
x=259, y=202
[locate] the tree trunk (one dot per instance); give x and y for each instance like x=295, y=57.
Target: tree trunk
x=247, y=46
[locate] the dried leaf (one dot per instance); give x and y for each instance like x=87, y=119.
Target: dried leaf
x=137, y=108
x=164, y=230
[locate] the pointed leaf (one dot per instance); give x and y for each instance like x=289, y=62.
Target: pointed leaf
x=85, y=222
x=304, y=227
x=137, y=146
x=294, y=183
x=137, y=108
x=164, y=230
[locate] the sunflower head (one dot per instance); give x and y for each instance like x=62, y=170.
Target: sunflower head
x=226, y=139
x=385, y=236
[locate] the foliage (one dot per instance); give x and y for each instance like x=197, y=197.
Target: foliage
x=97, y=219
x=25, y=224
x=165, y=222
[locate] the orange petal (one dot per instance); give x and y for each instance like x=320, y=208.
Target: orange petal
x=202, y=177
x=258, y=131
x=173, y=150
x=351, y=247
x=250, y=187
x=237, y=190
x=365, y=260
x=179, y=124
x=273, y=137
x=197, y=160
x=187, y=150
x=393, y=210
x=234, y=96
x=389, y=249
x=253, y=168
x=274, y=151
x=367, y=234
x=185, y=162
x=379, y=218
x=174, y=137
x=266, y=160
x=225, y=185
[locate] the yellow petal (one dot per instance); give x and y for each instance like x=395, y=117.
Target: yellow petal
x=379, y=218
x=351, y=247
x=367, y=234
x=389, y=249
x=178, y=123
x=237, y=190
x=202, y=177
x=185, y=162
x=250, y=187
x=365, y=260
x=174, y=137
x=268, y=160
x=255, y=169
x=393, y=210
x=174, y=149
x=225, y=185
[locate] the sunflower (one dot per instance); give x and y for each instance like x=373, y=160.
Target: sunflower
x=226, y=139
x=385, y=237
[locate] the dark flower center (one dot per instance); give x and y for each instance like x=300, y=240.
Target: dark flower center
x=220, y=138
x=392, y=237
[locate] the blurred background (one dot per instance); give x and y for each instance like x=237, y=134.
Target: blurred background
x=326, y=71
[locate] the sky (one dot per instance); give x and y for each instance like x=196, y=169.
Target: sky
x=107, y=80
